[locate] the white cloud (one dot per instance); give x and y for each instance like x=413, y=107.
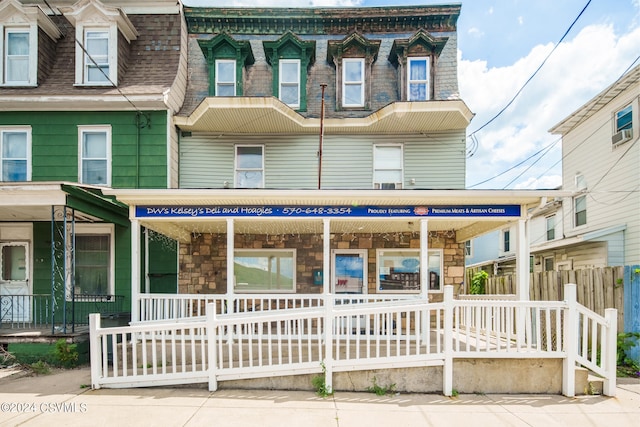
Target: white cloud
x=578, y=70
x=520, y=20
x=475, y=32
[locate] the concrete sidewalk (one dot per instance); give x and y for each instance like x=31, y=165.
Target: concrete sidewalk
x=64, y=398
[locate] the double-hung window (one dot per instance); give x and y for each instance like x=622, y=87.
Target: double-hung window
x=387, y=167
x=506, y=241
x=580, y=210
x=551, y=227
x=15, y=150
x=95, y=155
x=289, y=75
x=96, y=57
x=265, y=270
x=225, y=77
x=249, y=166
x=16, y=58
x=418, y=79
x=94, y=261
x=353, y=82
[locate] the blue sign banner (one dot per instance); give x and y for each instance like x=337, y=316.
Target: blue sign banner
x=476, y=211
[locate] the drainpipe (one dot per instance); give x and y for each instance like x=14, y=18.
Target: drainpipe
x=323, y=87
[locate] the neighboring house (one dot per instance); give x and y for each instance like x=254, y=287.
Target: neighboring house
x=600, y=225
x=88, y=91
x=600, y=156
x=284, y=190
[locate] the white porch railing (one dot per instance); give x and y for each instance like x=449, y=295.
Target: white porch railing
x=343, y=337
x=179, y=306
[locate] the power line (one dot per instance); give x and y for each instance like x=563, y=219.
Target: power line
x=534, y=73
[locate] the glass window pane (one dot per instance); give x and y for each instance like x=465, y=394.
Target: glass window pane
x=249, y=157
x=226, y=71
x=97, y=44
x=94, y=145
x=418, y=92
x=17, y=43
x=352, y=71
x=226, y=90
x=249, y=179
x=14, y=170
x=94, y=172
x=418, y=69
x=353, y=95
x=624, y=119
x=388, y=176
x=289, y=72
x=97, y=74
x=14, y=145
x=14, y=263
x=92, y=265
x=388, y=157
x=264, y=270
x=289, y=95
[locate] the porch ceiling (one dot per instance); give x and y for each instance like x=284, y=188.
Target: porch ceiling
x=268, y=115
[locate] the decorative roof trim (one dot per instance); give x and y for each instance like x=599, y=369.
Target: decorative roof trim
x=401, y=47
x=13, y=12
x=314, y=21
x=86, y=11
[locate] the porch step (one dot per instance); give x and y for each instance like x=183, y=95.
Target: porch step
x=587, y=383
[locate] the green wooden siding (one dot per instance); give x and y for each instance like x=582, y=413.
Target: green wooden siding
x=54, y=137
x=434, y=161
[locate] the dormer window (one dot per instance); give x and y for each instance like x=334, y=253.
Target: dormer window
x=96, y=58
x=226, y=58
x=353, y=57
x=20, y=27
x=415, y=58
x=290, y=57
x=103, y=35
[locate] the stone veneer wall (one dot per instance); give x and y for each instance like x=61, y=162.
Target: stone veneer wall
x=203, y=262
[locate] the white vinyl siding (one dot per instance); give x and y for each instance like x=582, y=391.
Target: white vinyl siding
x=207, y=161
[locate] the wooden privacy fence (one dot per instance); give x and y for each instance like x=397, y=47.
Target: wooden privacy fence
x=597, y=288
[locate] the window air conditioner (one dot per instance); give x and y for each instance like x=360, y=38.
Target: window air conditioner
x=388, y=185
x=622, y=136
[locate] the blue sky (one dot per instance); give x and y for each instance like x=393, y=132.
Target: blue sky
x=501, y=43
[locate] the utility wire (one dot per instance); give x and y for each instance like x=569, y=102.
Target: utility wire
x=534, y=73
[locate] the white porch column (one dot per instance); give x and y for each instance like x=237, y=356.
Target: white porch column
x=424, y=258
x=135, y=271
x=522, y=261
x=230, y=265
x=326, y=256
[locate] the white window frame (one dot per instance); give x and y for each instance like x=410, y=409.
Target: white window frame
x=32, y=75
x=575, y=210
x=96, y=230
x=94, y=129
x=384, y=185
x=506, y=241
x=410, y=81
x=550, y=223
x=346, y=83
x=283, y=83
x=16, y=129
x=237, y=169
x=238, y=287
x=468, y=248
x=83, y=63
x=415, y=254
x=225, y=83
x=618, y=115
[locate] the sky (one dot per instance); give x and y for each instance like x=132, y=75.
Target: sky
x=501, y=43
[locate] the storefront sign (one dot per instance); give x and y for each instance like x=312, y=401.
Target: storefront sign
x=476, y=211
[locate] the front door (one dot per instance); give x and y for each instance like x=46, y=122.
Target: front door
x=349, y=271
x=15, y=304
